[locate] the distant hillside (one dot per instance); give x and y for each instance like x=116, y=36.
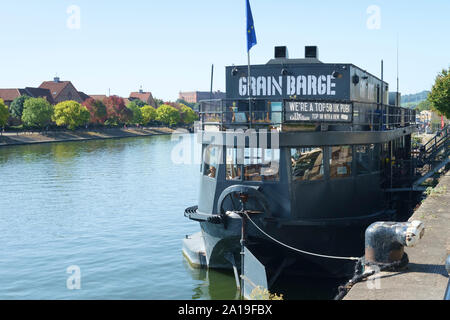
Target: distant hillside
x=412, y=100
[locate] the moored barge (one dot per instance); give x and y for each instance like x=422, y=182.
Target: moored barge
x=310, y=153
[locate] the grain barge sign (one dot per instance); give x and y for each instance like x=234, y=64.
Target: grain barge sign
x=278, y=82
x=312, y=111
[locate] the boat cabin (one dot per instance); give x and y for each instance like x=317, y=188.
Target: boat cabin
x=312, y=136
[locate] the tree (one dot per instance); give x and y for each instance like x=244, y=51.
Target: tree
x=4, y=113
x=137, y=114
x=148, y=114
x=37, y=112
x=97, y=109
x=194, y=106
x=440, y=93
x=176, y=105
x=138, y=102
x=188, y=116
x=16, y=106
x=423, y=105
x=116, y=110
x=71, y=114
x=168, y=115
x=158, y=102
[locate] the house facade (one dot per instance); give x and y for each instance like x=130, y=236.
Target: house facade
x=146, y=97
x=62, y=90
x=57, y=91
x=8, y=95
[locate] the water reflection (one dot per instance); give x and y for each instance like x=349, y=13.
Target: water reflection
x=113, y=207
x=212, y=284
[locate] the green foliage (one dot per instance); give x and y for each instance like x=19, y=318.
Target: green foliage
x=424, y=105
x=416, y=142
x=16, y=107
x=158, y=102
x=148, y=114
x=4, y=113
x=440, y=93
x=138, y=103
x=37, y=112
x=168, y=115
x=188, y=116
x=137, y=114
x=192, y=105
x=260, y=293
x=436, y=191
x=71, y=114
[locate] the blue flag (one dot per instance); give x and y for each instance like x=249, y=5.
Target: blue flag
x=251, y=35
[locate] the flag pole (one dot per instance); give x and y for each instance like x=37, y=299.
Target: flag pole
x=248, y=86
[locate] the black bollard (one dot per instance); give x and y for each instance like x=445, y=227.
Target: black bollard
x=447, y=266
x=385, y=241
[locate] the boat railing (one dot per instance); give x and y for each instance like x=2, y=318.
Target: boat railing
x=260, y=113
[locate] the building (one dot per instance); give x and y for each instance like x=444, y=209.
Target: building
x=146, y=97
x=83, y=96
x=196, y=96
x=425, y=116
x=8, y=95
x=62, y=90
x=100, y=97
x=57, y=91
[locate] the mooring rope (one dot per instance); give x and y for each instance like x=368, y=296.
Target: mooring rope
x=298, y=250
x=361, y=275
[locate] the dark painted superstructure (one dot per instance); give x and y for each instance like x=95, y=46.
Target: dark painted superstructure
x=338, y=147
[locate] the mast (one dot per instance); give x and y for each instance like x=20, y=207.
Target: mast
x=212, y=78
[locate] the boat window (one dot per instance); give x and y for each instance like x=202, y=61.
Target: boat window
x=233, y=169
x=211, y=160
x=362, y=154
x=307, y=164
x=252, y=164
x=271, y=165
x=341, y=162
x=376, y=157
x=261, y=164
x=259, y=111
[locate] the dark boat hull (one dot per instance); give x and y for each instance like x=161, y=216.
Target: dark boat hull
x=338, y=237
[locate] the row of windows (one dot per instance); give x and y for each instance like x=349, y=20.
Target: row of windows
x=308, y=164
x=258, y=164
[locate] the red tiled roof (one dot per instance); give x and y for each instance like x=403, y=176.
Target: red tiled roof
x=100, y=97
x=54, y=87
x=144, y=96
x=9, y=94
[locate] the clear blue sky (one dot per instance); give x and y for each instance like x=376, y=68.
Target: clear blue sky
x=168, y=46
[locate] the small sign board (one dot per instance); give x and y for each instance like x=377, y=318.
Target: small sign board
x=317, y=111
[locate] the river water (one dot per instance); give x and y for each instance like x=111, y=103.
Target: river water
x=103, y=220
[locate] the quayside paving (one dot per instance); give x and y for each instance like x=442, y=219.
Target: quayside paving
x=7, y=139
x=425, y=277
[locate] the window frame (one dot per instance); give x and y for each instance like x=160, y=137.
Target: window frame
x=324, y=166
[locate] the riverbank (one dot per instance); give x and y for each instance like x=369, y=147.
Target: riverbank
x=22, y=138
x=425, y=277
